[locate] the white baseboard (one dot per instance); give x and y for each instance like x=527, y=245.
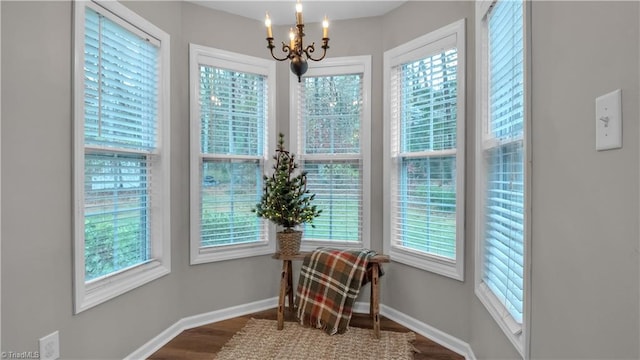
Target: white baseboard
x=440, y=337
x=190, y=322
x=360, y=307
x=450, y=342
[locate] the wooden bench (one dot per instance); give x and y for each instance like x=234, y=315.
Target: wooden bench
x=287, y=289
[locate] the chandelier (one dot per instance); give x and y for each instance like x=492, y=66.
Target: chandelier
x=295, y=51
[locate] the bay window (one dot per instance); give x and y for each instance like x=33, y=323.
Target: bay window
x=424, y=151
x=121, y=152
x=232, y=126
x=330, y=127
x=501, y=166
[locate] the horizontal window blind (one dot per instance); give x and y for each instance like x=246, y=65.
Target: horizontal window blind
x=504, y=212
x=229, y=191
x=331, y=108
x=330, y=116
x=429, y=103
x=233, y=112
x=506, y=70
x=121, y=86
x=424, y=193
x=337, y=185
x=426, y=205
x=120, y=119
x=233, y=124
x=116, y=213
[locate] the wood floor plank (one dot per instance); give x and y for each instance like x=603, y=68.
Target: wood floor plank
x=205, y=341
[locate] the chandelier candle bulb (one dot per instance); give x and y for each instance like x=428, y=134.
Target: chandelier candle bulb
x=299, y=13
x=325, y=28
x=267, y=23
x=292, y=39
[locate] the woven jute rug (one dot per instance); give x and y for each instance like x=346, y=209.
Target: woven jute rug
x=260, y=339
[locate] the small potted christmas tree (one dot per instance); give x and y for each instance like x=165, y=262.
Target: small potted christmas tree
x=286, y=200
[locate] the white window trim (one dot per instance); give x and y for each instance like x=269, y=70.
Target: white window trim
x=414, y=50
x=199, y=54
x=517, y=334
x=88, y=295
x=339, y=66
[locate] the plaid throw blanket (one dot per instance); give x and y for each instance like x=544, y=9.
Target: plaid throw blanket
x=329, y=283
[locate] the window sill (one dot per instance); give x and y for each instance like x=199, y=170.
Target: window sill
x=423, y=261
x=512, y=329
x=220, y=253
x=107, y=288
x=310, y=245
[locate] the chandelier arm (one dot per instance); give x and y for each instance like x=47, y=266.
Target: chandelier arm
x=285, y=48
x=311, y=48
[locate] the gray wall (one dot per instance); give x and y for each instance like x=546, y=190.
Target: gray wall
x=585, y=203
x=585, y=278
x=36, y=187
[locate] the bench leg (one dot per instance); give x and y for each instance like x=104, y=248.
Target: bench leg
x=290, y=285
x=284, y=277
x=375, y=300
x=371, y=296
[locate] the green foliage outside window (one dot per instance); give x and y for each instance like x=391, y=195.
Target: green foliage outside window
x=113, y=244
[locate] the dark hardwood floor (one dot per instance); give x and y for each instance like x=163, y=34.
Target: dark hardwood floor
x=205, y=341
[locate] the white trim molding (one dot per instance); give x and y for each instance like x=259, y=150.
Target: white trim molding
x=450, y=342
x=191, y=322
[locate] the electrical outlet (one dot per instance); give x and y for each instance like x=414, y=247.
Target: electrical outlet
x=50, y=346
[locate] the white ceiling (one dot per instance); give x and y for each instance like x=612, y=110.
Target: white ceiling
x=283, y=12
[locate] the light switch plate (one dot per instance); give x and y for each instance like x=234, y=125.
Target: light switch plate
x=609, y=121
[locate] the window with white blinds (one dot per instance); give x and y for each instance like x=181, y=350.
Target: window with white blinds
x=121, y=164
x=425, y=151
x=231, y=127
x=501, y=167
x=330, y=123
